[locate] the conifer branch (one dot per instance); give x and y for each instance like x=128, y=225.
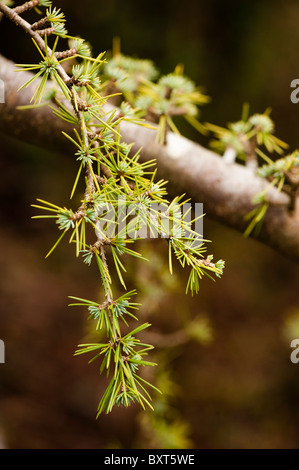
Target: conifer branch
x=117, y=170
x=126, y=181
x=26, y=6
x=226, y=190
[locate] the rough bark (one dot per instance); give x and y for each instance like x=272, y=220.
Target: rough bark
x=226, y=190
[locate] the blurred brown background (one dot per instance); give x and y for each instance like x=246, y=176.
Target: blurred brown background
x=235, y=387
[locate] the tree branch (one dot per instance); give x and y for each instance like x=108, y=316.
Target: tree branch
x=226, y=190
x=39, y=126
